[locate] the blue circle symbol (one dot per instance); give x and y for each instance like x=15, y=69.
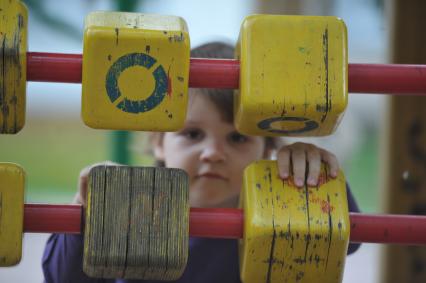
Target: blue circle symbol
x=136, y=106
x=266, y=125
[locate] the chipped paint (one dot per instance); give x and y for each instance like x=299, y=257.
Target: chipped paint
x=169, y=83
x=116, y=35
x=136, y=106
x=121, y=36
x=327, y=97
x=306, y=79
x=11, y=213
x=293, y=234
x=13, y=38
x=308, y=125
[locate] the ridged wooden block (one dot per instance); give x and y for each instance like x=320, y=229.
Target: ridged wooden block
x=137, y=223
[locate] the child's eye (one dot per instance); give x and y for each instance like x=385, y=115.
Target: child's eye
x=193, y=134
x=236, y=137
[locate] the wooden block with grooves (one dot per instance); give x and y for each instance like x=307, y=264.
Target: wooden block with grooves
x=137, y=223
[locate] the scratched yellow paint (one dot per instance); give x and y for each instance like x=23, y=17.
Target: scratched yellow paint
x=13, y=63
x=135, y=71
x=292, y=234
x=12, y=184
x=293, y=75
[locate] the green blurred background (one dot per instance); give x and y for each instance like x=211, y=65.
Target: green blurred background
x=53, y=149
x=55, y=145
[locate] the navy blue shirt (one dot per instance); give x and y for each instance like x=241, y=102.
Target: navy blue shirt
x=210, y=260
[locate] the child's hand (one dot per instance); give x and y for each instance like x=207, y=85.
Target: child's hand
x=81, y=195
x=299, y=154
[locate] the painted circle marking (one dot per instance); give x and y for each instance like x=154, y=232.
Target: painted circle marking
x=136, y=106
x=266, y=125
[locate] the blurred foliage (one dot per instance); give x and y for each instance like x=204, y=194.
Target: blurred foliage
x=361, y=174
x=54, y=151
x=126, y=5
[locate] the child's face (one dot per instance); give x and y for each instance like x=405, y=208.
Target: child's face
x=212, y=152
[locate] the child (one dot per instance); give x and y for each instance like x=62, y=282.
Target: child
x=214, y=155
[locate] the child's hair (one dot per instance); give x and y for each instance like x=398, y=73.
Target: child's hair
x=223, y=99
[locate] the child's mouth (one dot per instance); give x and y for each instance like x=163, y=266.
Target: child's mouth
x=211, y=175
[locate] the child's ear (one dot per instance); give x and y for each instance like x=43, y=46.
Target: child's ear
x=159, y=151
x=157, y=145
x=156, y=141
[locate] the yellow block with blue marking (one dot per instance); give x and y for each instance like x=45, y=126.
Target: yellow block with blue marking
x=135, y=71
x=292, y=234
x=293, y=75
x=13, y=63
x=12, y=184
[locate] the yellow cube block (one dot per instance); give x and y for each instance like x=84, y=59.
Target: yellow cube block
x=293, y=75
x=13, y=63
x=135, y=71
x=292, y=234
x=12, y=184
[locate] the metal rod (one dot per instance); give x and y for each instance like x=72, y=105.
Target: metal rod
x=224, y=73
x=53, y=218
x=228, y=223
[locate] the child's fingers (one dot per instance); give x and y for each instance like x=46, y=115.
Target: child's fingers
x=314, y=161
x=80, y=197
x=283, y=160
x=298, y=157
x=331, y=160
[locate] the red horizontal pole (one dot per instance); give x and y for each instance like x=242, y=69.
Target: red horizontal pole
x=224, y=73
x=216, y=223
x=54, y=67
x=228, y=223
x=387, y=228
x=53, y=218
x=387, y=78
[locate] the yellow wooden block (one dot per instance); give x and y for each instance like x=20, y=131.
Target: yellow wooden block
x=12, y=184
x=292, y=234
x=135, y=71
x=13, y=63
x=293, y=75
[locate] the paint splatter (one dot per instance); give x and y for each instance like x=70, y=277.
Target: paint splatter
x=326, y=207
x=322, y=179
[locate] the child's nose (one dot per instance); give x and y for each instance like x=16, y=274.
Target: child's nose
x=213, y=152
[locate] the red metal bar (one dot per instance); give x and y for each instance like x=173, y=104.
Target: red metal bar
x=387, y=78
x=216, y=223
x=214, y=73
x=396, y=229
x=224, y=73
x=228, y=223
x=53, y=218
x=54, y=67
